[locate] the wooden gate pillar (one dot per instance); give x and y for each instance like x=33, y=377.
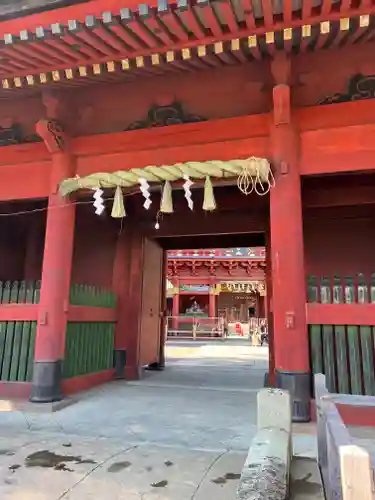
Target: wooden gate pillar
x=56, y=271
x=287, y=255
x=120, y=279
x=132, y=311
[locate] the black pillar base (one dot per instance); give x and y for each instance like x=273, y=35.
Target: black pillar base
x=156, y=367
x=266, y=382
x=46, y=384
x=299, y=386
x=119, y=363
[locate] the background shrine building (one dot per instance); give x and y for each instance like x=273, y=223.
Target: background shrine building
x=217, y=283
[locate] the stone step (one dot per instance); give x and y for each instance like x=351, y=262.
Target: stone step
x=305, y=480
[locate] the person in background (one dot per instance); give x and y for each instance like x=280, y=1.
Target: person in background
x=263, y=334
x=226, y=326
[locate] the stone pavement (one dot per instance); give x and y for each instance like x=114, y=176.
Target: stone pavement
x=179, y=434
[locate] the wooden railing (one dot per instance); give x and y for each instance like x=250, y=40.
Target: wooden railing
x=359, y=289
x=194, y=327
x=19, y=292
x=341, y=317
x=345, y=468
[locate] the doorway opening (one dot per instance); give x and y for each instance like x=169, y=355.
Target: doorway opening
x=238, y=222
x=216, y=293
x=216, y=325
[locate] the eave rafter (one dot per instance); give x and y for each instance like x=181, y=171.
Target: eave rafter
x=186, y=36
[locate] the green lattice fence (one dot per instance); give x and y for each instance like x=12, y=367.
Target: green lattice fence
x=17, y=338
x=89, y=295
x=89, y=348
x=344, y=353
x=17, y=343
x=19, y=292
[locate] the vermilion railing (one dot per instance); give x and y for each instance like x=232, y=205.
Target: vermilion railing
x=195, y=327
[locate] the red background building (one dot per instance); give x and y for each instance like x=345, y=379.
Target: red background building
x=223, y=282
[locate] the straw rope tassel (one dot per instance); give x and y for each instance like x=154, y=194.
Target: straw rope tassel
x=166, y=203
x=118, y=208
x=209, y=203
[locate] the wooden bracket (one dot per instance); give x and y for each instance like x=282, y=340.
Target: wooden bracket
x=52, y=134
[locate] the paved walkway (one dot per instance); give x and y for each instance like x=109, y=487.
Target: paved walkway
x=179, y=434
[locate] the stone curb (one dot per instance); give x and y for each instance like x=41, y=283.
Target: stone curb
x=267, y=468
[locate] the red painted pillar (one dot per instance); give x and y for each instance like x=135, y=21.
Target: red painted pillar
x=55, y=288
x=264, y=306
x=287, y=256
x=269, y=316
x=212, y=305
x=175, y=310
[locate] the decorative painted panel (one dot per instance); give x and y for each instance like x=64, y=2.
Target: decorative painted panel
x=163, y=115
x=359, y=87
x=258, y=253
x=194, y=288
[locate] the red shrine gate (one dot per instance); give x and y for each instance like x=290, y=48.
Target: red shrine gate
x=294, y=110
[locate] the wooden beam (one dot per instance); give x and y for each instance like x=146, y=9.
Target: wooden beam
x=170, y=19
x=340, y=314
x=215, y=223
x=326, y=7
x=227, y=11
x=189, y=19
x=114, y=26
x=207, y=13
x=241, y=148
x=340, y=196
x=288, y=11
x=267, y=7
x=19, y=312
x=134, y=24
x=225, y=130
x=109, y=39
x=338, y=150
x=150, y=19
